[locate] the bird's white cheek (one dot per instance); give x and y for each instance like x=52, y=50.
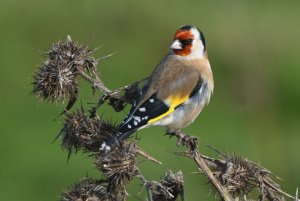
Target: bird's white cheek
x=198, y=47
x=197, y=51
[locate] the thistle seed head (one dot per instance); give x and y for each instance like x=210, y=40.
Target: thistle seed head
x=240, y=176
x=55, y=80
x=118, y=165
x=169, y=188
x=86, y=190
x=77, y=56
x=83, y=132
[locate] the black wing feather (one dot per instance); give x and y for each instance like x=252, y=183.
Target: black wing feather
x=151, y=108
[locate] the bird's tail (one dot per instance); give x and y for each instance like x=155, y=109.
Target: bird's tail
x=129, y=126
x=122, y=133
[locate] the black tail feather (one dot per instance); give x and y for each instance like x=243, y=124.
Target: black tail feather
x=113, y=140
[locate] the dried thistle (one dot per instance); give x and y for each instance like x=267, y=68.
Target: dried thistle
x=83, y=132
x=74, y=55
x=55, y=81
x=120, y=97
x=118, y=165
x=86, y=189
x=240, y=176
x=133, y=90
x=56, y=78
x=169, y=187
x=116, y=103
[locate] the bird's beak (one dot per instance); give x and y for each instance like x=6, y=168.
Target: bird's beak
x=176, y=45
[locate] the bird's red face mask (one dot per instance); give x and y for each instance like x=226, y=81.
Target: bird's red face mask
x=183, y=42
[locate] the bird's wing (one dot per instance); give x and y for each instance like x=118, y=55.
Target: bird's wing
x=165, y=92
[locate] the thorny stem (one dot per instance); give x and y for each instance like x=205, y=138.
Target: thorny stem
x=204, y=168
x=279, y=190
x=97, y=83
x=191, y=144
x=143, y=153
x=150, y=184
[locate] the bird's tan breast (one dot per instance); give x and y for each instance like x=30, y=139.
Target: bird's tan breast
x=188, y=112
x=203, y=67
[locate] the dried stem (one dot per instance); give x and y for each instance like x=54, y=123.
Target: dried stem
x=267, y=183
x=191, y=144
x=143, y=153
x=98, y=84
x=202, y=165
x=156, y=189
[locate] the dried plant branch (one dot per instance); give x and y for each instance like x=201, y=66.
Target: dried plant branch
x=168, y=189
x=116, y=98
x=97, y=83
x=87, y=189
x=202, y=165
x=191, y=144
x=240, y=176
x=143, y=153
x=56, y=80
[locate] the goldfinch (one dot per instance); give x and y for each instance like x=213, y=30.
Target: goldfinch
x=176, y=92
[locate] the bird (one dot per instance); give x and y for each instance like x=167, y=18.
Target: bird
x=177, y=90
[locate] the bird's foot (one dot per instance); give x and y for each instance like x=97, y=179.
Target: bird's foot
x=185, y=140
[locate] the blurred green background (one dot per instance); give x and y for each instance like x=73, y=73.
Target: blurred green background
x=254, y=49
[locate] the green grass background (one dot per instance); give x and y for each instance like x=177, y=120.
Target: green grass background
x=254, y=49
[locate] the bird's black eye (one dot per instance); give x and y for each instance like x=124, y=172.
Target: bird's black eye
x=187, y=41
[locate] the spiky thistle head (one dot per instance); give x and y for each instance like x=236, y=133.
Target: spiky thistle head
x=118, y=165
x=83, y=132
x=55, y=80
x=169, y=188
x=78, y=56
x=86, y=189
x=240, y=176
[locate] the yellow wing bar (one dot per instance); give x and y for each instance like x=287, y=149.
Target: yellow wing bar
x=173, y=101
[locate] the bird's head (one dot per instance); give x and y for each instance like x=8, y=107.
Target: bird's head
x=189, y=41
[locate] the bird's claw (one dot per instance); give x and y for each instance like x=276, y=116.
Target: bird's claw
x=184, y=139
